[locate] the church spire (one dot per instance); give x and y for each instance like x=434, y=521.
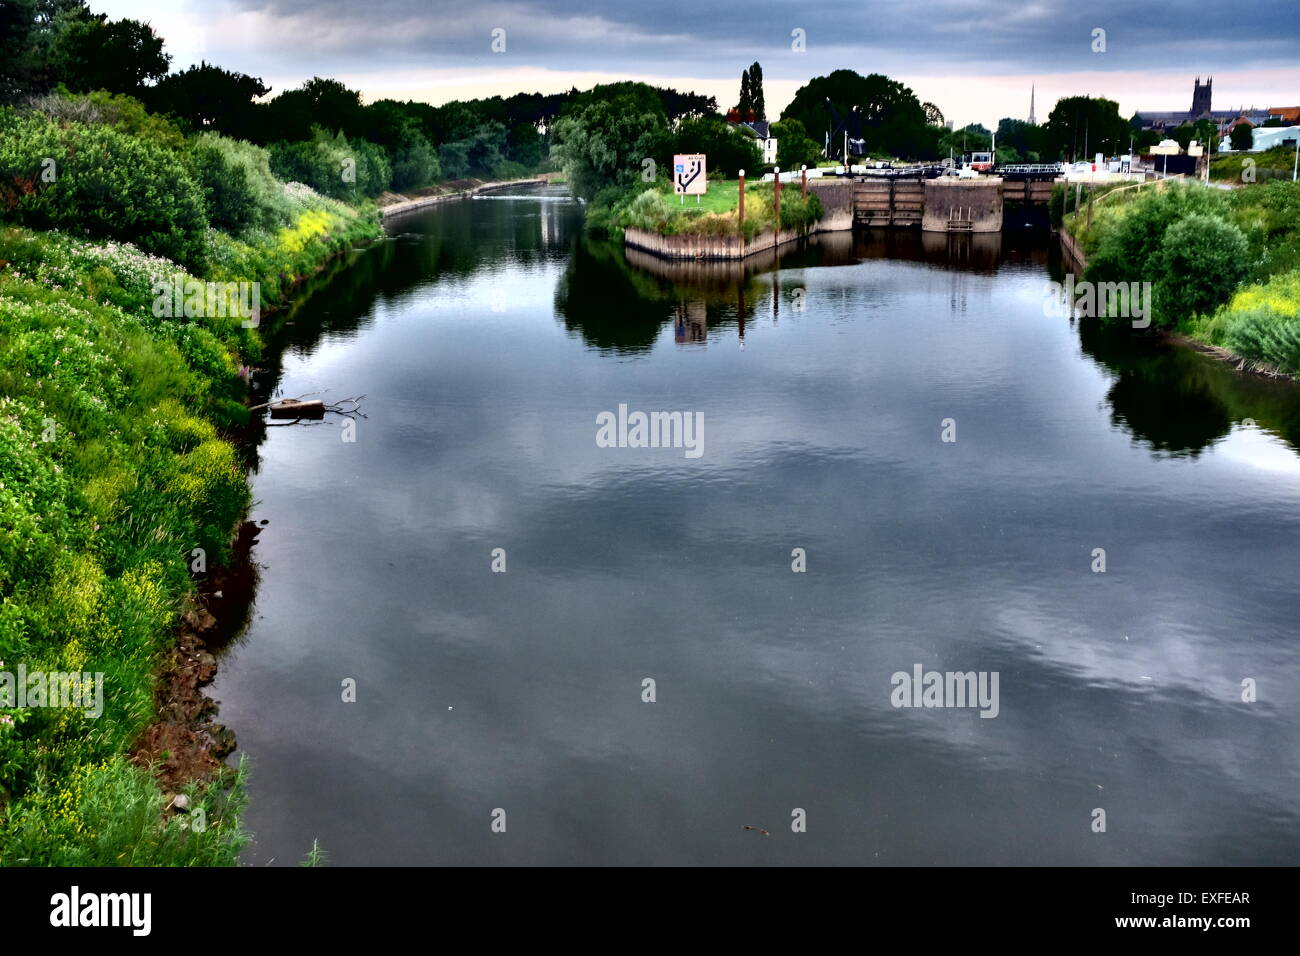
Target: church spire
x=1032, y=120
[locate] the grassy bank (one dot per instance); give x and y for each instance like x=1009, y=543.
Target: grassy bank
x=1275, y=163
x=118, y=476
x=1223, y=266
x=657, y=209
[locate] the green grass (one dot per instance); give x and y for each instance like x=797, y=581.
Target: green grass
x=1229, y=168
x=656, y=208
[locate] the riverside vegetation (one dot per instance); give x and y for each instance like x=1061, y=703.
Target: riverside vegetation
x=116, y=459
x=1224, y=265
x=119, y=179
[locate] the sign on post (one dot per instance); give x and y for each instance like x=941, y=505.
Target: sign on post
x=689, y=175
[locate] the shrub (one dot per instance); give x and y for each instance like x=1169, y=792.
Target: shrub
x=102, y=183
x=334, y=166
x=1201, y=262
x=1269, y=214
x=123, y=113
x=1263, y=322
x=1265, y=335
x=241, y=191
x=510, y=170
x=1133, y=236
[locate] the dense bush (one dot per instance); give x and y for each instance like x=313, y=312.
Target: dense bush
x=334, y=166
x=655, y=210
x=98, y=182
x=123, y=113
x=1201, y=263
x=454, y=159
x=319, y=229
x=479, y=153
x=242, y=193
x=1130, y=247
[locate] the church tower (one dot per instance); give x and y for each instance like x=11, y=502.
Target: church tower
x=1201, y=97
x=1032, y=120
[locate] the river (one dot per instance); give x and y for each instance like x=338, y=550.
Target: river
x=487, y=336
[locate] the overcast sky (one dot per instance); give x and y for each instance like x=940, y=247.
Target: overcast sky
x=975, y=59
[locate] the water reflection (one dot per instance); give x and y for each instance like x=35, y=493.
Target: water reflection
x=522, y=690
x=1179, y=402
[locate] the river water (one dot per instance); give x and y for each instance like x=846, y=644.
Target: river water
x=487, y=336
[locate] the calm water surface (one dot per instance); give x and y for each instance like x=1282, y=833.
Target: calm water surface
x=487, y=336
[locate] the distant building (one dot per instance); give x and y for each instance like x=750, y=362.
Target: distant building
x=1202, y=93
x=1287, y=114
x=1267, y=137
x=760, y=130
x=1032, y=120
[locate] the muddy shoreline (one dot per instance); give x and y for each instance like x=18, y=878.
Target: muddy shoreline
x=185, y=744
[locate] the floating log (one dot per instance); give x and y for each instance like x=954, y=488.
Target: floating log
x=292, y=408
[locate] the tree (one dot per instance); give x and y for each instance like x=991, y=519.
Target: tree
x=608, y=134
x=886, y=114
x=751, y=93
x=678, y=105
x=1025, y=139
x=17, y=21
x=1206, y=132
x=728, y=148
x=794, y=148
x=1146, y=139
x=1080, y=126
x=1242, y=136
x=208, y=97
x=94, y=53
x=318, y=102
x=1183, y=135
x=524, y=145
x=746, y=104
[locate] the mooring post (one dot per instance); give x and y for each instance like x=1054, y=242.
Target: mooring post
x=776, y=200
x=803, y=174
x=740, y=210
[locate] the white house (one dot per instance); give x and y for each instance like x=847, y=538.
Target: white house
x=762, y=131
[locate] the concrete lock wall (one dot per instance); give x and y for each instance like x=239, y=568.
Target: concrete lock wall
x=836, y=196
x=963, y=205
x=706, y=247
